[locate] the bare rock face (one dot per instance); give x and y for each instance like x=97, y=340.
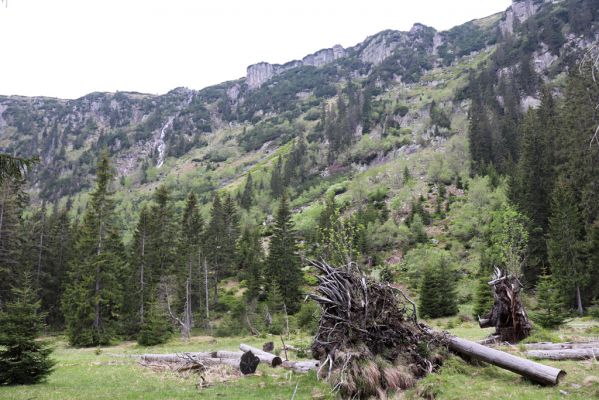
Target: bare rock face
x=520, y=11
x=379, y=47
x=324, y=57
x=258, y=74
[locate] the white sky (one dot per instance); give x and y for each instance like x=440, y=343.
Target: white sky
x=68, y=48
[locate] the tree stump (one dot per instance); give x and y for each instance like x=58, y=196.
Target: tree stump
x=508, y=315
x=249, y=362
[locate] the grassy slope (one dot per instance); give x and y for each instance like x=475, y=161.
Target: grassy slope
x=82, y=374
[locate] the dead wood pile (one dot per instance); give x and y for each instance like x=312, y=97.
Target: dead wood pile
x=508, y=315
x=368, y=340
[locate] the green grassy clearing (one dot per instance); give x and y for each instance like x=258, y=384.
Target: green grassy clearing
x=84, y=374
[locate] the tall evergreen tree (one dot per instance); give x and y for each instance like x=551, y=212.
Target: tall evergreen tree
x=276, y=179
x=94, y=291
x=283, y=262
x=59, y=245
x=564, y=244
x=23, y=360
x=214, y=237
x=231, y=234
x=164, y=235
x=140, y=285
x=250, y=257
x=192, y=226
x=247, y=197
x=12, y=202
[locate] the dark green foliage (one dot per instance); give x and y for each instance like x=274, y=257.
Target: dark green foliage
x=156, y=327
x=276, y=179
x=93, y=294
x=484, y=292
x=23, y=360
x=250, y=257
x=283, y=264
x=565, y=246
x=550, y=311
x=247, y=197
x=533, y=182
x=307, y=317
x=438, y=117
x=438, y=296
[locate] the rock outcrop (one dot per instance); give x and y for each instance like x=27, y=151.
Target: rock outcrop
x=519, y=11
x=258, y=74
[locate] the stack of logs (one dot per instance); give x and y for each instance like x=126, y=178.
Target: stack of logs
x=246, y=360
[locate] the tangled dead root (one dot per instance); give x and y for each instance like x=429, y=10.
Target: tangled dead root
x=368, y=340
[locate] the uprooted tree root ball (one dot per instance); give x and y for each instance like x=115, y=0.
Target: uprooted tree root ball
x=369, y=341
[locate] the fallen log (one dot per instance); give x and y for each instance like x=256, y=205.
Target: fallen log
x=269, y=358
x=301, y=366
x=561, y=346
x=369, y=340
x=247, y=362
x=539, y=373
x=565, y=354
x=174, y=358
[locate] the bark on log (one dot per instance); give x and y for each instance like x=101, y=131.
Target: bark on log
x=228, y=354
x=566, y=354
x=561, y=346
x=269, y=358
x=174, y=358
x=539, y=373
x=301, y=366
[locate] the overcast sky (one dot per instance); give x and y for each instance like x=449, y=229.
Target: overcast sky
x=68, y=48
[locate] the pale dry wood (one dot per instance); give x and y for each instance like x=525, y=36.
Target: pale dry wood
x=268, y=358
x=562, y=346
x=539, y=373
x=565, y=354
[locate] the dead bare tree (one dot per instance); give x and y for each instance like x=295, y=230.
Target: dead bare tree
x=184, y=323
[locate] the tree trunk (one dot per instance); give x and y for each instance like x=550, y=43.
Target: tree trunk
x=207, y=293
x=579, y=301
x=562, y=346
x=565, y=354
x=539, y=373
x=269, y=358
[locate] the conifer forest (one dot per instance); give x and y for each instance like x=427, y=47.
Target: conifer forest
x=413, y=217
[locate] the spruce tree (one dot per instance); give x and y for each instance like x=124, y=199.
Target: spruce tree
x=438, y=296
x=214, y=237
x=564, y=245
x=156, y=327
x=140, y=284
x=550, y=310
x=483, y=300
x=247, y=197
x=231, y=233
x=276, y=179
x=93, y=294
x=283, y=262
x=250, y=262
x=190, y=242
x=23, y=360
x=12, y=203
